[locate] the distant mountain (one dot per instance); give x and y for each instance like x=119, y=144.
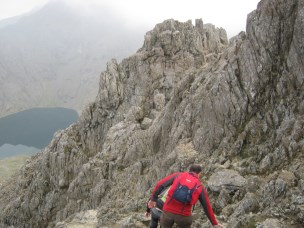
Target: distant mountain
x=34, y=127
x=9, y=21
x=53, y=56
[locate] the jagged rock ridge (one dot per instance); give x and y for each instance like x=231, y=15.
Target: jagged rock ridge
x=186, y=96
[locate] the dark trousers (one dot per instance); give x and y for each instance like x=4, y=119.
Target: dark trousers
x=167, y=220
x=154, y=219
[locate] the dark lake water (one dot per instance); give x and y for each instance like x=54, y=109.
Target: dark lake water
x=33, y=129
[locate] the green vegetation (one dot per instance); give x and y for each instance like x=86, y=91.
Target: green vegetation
x=10, y=165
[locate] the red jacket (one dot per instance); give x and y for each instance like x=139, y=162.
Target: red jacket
x=175, y=207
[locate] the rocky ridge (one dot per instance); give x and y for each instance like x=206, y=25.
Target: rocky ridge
x=186, y=96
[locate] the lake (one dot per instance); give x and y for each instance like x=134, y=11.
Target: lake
x=29, y=131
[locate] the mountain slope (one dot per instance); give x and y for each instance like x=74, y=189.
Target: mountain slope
x=54, y=56
x=184, y=97
x=9, y=166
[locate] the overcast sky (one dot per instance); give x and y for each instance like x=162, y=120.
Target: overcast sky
x=228, y=14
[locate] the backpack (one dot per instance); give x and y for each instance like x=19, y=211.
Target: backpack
x=186, y=186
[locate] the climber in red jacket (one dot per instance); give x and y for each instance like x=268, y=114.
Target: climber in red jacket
x=185, y=191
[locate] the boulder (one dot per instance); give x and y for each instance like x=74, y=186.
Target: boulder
x=228, y=179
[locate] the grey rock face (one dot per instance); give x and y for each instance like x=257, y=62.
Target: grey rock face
x=84, y=219
x=183, y=98
x=270, y=223
x=228, y=179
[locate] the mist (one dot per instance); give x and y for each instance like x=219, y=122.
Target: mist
x=53, y=56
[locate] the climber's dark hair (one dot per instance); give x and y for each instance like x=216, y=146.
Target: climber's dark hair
x=195, y=168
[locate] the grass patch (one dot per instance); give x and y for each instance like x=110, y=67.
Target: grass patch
x=9, y=166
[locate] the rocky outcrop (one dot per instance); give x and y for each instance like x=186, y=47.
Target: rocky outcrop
x=187, y=96
x=84, y=219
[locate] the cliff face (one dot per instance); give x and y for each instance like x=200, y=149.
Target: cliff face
x=186, y=96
